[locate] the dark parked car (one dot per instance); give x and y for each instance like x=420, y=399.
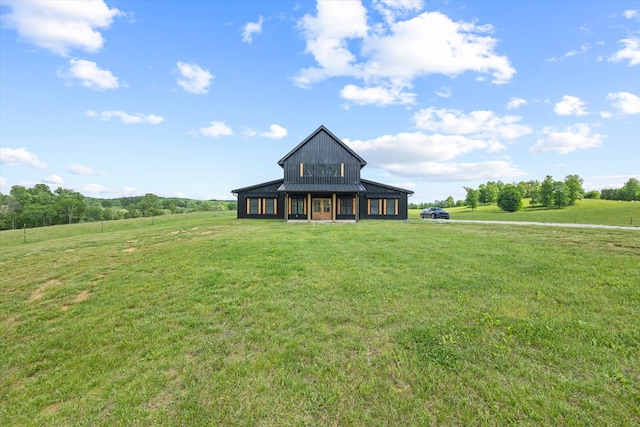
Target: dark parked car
x=434, y=213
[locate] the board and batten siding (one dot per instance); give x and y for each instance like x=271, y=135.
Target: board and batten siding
x=262, y=192
x=322, y=149
x=382, y=194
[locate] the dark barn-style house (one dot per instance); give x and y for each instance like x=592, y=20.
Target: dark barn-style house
x=322, y=183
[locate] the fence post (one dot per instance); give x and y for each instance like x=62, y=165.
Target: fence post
x=25, y=232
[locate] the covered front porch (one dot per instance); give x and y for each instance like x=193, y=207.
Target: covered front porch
x=321, y=206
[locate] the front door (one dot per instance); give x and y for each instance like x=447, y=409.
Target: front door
x=321, y=210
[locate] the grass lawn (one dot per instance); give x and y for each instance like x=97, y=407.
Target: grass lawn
x=208, y=320
x=588, y=211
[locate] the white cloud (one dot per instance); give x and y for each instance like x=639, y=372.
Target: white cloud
x=216, y=129
x=194, y=79
x=4, y=185
x=126, y=117
x=444, y=92
x=96, y=189
x=446, y=171
x=251, y=28
x=89, y=75
x=629, y=14
x=570, y=106
x=376, y=95
x=583, y=49
x=571, y=138
x=79, y=169
x=275, y=132
x=60, y=26
x=479, y=124
x=53, y=180
x=626, y=102
x=605, y=114
x=387, y=57
x=515, y=103
x=630, y=52
x=20, y=157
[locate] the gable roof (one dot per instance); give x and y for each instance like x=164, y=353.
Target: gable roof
x=389, y=187
x=335, y=138
x=275, y=183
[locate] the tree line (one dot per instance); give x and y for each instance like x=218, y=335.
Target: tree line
x=39, y=206
x=549, y=193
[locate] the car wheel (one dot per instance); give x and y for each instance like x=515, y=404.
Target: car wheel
x=433, y=216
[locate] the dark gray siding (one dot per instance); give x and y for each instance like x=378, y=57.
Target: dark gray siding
x=267, y=190
x=381, y=192
x=322, y=149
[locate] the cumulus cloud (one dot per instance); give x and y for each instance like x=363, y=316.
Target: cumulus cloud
x=93, y=189
x=60, y=25
x=275, y=132
x=630, y=52
x=377, y=95
x=423, y=156
x=571, y=138
x=480, y=124
x=625, y=102
x=629, y=14
x=90, y=75
x=53, y=180
x=78, y=169
x=126, y=117
x=383, y=55
x=216, y=129
x=193, y=78
x=515, y=103
x=20, y=157
x=444, y=92
x=570, y=106
x=251, y=28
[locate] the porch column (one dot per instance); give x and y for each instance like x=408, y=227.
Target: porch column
x=309, y=207
x=333, y=208
x=286, y=207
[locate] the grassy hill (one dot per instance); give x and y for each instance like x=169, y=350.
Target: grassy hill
x=588, y=211
x=206, y=320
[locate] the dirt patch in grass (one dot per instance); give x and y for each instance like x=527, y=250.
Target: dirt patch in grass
x=82, y=296
x=129, y=250
x=39, y=293
x=10, y=322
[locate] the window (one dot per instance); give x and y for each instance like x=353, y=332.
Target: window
x=374, y=207
x=308, y=169
x=337, y=169
x=262, y=206
x=297, y=207
x=392, y=206
x=269, y=206
x=254, y=206
x=346, y=205
x=322, y=169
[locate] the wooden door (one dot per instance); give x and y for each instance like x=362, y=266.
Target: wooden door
x=321, y=210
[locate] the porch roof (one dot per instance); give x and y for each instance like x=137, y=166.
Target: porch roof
x=321, y=188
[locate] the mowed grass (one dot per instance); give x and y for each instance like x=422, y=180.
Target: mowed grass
x=214, y=321
x=587, y=211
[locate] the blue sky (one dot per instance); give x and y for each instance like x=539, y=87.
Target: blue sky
x=196, y=98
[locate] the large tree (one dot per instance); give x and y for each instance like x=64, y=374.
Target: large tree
x=70, y=203
x=574, y=188
x=546, y=192
x=510, y=199
x=472, y=198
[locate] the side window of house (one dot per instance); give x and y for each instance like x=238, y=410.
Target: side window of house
x=346, y=206
x=374, y=207
x=297, y=206
x=392, y=207
x=254, y=206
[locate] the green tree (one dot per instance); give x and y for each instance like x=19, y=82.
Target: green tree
x=449, y=203
x=546, y=192
x=593, y=194
x=472, y=198
x=510, y=199
x=630, y=190
x=70, y=203
x=560, y=194
x=150, y=205
x=574, y=188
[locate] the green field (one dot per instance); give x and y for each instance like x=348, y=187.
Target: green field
x=588, y=211
x=207, y=320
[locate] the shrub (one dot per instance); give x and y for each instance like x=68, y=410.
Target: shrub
x=510, y=199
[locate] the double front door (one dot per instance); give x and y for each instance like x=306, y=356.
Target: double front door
x=321, y=210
